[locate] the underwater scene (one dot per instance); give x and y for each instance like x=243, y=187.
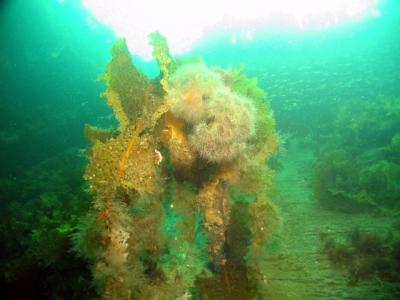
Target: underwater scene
x=211, y=150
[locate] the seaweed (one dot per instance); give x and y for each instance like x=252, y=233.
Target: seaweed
x=359, y=168
x=366, y=256
x=40, y=213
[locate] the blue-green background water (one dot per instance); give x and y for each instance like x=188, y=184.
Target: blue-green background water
x=50, y=60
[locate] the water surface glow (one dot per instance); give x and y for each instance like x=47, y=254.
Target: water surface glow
x=185, y=22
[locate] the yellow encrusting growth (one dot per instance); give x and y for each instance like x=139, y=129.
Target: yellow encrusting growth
x=126, y=86
x=127, y=153
x=139, y=128
x=94, y=134
x=164, y=59
x=115, y=103
x=215, y=207
x=174, y=138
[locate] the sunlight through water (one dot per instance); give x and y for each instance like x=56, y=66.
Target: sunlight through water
x=185, y=22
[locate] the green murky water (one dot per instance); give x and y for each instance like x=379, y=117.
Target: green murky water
x=335, y=96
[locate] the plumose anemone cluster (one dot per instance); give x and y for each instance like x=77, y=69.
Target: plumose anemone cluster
x=220, y=121
x=191, y=88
